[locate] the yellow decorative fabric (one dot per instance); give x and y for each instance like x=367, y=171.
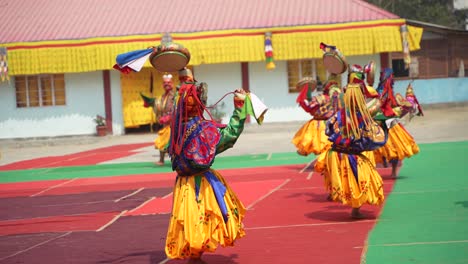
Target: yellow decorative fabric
x=134, y=113
x=205, y=232
x=161, y=142
x=400, y=145
x=341, y=183
x=311, y=138
x=213, y=46
x=370, y=156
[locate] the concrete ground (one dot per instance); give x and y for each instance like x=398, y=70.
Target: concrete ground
x=440, y=123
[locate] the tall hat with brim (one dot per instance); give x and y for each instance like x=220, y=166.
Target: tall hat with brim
x=306, y=86
x=333, y=60
x=167, y=57
x=369, y=70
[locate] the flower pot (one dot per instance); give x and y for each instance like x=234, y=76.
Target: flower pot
x=101, y=131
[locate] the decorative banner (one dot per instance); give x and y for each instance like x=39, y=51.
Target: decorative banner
x=405, y=44
x=4, y=64
x=270, y=64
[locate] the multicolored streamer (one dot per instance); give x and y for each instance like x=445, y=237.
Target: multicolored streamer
x=270, y=64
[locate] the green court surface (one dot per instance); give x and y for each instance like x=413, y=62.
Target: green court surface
x=425, y=219
x=106, y=170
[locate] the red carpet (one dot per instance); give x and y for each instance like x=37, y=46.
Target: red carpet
x=83, y=222
x=82, y=185
x=157, y=205
x=90, y=157
x=330, y=244
x=27, y=188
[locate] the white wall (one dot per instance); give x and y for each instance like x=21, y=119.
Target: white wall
x=221, y=79
x=272, y=88
x=84, y=100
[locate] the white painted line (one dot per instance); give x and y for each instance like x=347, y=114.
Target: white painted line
x=363, y=259
x=306, y=225
x=47, y=217
x=143, y=204
x=268, y=194
x=35, y=246
x=308, y=165
x=128, y=195
x=417, y=243
x=164, y=261
x=167, y=195
x=111, y=221
x=53, y=187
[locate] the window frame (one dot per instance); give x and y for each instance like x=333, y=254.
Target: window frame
x=41, y=90
x=317, y=71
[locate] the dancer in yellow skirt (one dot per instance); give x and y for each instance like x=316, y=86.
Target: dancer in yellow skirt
x=162, y=108
x=206, y=212
x=311, y=138
x=400, y=144
x=351, y=176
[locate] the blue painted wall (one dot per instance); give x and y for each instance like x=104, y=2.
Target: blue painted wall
x=433, y=91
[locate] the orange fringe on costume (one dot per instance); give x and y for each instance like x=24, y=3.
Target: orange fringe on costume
x=400, y=145
x=311, y=138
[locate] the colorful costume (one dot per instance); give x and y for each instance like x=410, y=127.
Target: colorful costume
x=206, y=212
x=311, y=138
x=400, y=143
x=350, y=176
x=162, y=108
x=412, y=107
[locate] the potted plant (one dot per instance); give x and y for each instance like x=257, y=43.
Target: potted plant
x=101, y=128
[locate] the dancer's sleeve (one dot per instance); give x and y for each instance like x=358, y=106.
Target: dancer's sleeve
x=310, y=106
x=232, y=131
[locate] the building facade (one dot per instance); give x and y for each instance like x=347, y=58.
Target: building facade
x=60, y=77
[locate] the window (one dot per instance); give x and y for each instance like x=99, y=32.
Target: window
x=298, y=69
x=399, y=69
x=40, y=90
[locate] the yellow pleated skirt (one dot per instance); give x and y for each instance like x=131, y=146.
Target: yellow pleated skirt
x=197, y=225
x=400, y=145
x=162, y=140
x=311, y=138
x=341, y=183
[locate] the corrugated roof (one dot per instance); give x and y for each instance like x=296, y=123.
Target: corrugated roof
x=41, y=20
